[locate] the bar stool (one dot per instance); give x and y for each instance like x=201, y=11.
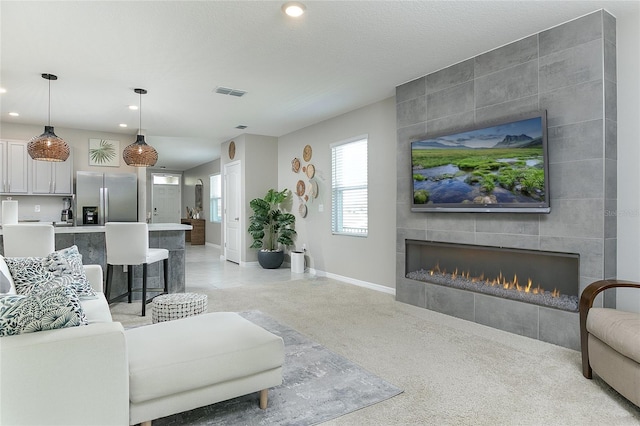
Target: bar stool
x=28, y=240
x=128, y=244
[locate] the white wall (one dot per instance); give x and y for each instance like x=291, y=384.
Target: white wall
x=628, y=247
x=371, y=259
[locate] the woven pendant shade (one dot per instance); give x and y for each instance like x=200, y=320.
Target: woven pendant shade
x=48, y=147
x=139, y=154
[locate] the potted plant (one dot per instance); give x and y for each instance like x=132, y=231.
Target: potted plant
x=270, y=226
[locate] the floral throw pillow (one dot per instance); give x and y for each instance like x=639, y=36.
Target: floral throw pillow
x=60, y=268
x=54, y=308
x=66, y=266
x=29, y=274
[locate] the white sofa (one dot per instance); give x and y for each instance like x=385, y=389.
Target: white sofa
x=100, y=374
x=71, y=376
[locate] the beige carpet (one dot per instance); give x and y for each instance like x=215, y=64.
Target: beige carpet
x=453, y=372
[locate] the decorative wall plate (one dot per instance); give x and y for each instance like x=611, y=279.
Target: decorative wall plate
x=306, y=153
x=314, y=189
x=232, y=150
x=303, y=210
x=300, y=187
x=311, y=170
x=295, y=165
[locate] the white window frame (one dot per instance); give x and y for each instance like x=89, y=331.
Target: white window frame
x=215, y=196
x=355, y=183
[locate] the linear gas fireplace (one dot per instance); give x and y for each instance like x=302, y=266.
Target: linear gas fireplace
x=527, y=292
x=542, y=278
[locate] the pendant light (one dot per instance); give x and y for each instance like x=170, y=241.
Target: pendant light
x=48, y=146
x=139, y=154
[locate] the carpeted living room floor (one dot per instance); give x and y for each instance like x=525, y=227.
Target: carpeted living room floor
x=453, y=372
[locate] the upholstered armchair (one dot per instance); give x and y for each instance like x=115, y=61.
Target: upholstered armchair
x=610, y=341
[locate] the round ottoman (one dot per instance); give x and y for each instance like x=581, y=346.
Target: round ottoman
x=167, y=307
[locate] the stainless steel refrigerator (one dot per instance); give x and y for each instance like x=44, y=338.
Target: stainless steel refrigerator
x=106, y=197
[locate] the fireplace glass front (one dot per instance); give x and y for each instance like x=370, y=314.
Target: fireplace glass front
x=543, y=278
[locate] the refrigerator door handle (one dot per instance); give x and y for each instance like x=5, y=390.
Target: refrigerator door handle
x=105, y=209
x=101, y=207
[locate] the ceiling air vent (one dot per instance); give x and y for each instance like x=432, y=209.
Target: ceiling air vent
x=241, y=126
x=229, y=91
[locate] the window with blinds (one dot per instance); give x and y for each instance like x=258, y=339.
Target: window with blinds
x=349, y=193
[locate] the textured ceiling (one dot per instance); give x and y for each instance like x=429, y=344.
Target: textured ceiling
x=339, y=56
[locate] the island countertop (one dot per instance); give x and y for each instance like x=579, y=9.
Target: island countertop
x=69, y=229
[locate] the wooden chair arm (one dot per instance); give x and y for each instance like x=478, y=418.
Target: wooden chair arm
x=586, y=302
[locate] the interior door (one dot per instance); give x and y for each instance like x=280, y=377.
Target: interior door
x=232, y=212
x=166, y=198
x=166, y=204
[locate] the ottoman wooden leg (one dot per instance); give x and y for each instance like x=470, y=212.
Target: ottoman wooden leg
x=263, y=398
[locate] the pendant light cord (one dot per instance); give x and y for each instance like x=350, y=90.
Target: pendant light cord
x=49, y=102
x=140, y=116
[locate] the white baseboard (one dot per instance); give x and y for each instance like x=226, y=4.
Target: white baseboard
x=213, y=245
x=359, y=283
x=348, y=280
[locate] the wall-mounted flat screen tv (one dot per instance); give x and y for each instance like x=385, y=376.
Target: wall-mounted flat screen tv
x=501, y=166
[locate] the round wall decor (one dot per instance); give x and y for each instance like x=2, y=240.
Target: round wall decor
x=306, y=153
x=300, y=187
x=311, y=170
x=295, y=165
x=232, y=150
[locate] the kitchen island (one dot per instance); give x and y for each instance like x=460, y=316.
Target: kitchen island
x=91, y=244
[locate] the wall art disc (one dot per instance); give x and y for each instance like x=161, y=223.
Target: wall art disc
x=306, y=153
x=300, y=187
x=303, y=210
x=232, y=150
x=314, y=189
x=311, y=170
x=295, y=165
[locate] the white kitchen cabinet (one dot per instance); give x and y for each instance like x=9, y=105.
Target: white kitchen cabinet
x=14, y=167
x=52, y=177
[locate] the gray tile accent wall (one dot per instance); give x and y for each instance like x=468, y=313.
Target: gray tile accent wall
x=569, y=70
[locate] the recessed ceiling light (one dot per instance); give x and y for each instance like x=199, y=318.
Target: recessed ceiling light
x=294, y=8
x=133, y=107
x=122, y=125
x=14, y=114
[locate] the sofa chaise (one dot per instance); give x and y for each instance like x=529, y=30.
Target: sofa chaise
x=101, y=374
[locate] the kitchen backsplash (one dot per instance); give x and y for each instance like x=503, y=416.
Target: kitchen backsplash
x=50, y=207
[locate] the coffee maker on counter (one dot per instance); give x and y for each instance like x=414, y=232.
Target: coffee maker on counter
x=67, y=213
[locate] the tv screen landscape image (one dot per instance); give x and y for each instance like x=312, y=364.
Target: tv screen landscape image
x=499, y=167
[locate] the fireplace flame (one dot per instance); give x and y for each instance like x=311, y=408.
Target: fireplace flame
x=499, y=281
